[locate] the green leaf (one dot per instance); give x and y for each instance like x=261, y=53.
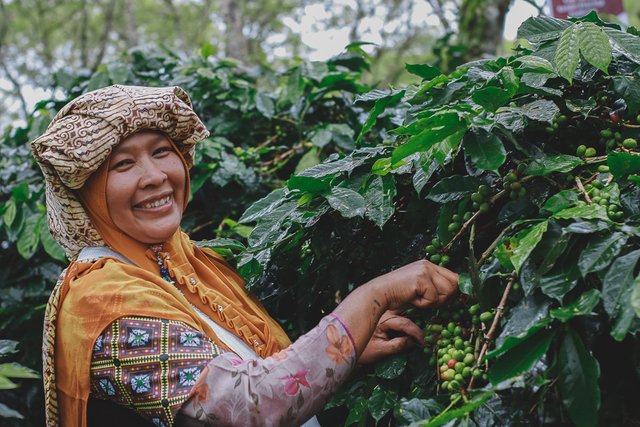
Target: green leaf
x=348, y=202
x=309, y=159
x=30, y=236
x=415, y=410
x=453, y=188
x=10, y=212
x=484, y=149
x=427, y=72
x=379, y=195
x=510, y=342
x=578, y=381
x=391, y=367
x=381, y=104
x=491, y=97
x=621, y=163
x=594, y=46
x=617, y=287
x=625, y=43
x=15, y=370
x=582, y=106
x=6, y=383
x=581, y=307
x=381, y=402
x=265, y=105
x=600, y=252
x=357, y=412
x=222, y=243
x=527, y=317
x=51, y=247
x=535, y=63
x=527, y=242
x=558, y=282
x=21, y=192
x=521, y=357
x=428, y=137
x=635, y=296
x=542, y=110
x=8, y=347
x=546, y=165
x=473, y=403
x=628, y=88
x=585, y=211
x=465, y=284
x=560, y=201
x=567, y=54
x=6, y=412
x=542, y=28
x=263, y=206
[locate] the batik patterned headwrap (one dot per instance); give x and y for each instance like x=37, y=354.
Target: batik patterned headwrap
x=81, y=136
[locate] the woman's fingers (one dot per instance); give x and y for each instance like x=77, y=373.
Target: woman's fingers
x=404, y=325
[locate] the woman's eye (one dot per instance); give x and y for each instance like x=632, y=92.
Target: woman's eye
x=162, y=150
x=122, y=163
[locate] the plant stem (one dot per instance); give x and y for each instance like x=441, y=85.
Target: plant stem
x=494, y=324
x=583, y=191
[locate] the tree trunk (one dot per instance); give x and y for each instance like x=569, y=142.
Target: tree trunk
x=480, y=25
x=236, y=45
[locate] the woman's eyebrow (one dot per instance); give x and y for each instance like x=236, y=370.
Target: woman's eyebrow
x=120, y=149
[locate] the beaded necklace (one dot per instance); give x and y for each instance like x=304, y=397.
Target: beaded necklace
x=164, y=272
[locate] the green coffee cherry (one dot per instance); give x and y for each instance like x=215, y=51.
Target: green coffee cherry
x=484, y=207
x=590, y=152
x=486, y=316
x=511, y=177
x=630, y=143
x=603, y=169
x=581, y=150
x=474, y=309
x=484, y=190
x=606, y=133
x=436, y=258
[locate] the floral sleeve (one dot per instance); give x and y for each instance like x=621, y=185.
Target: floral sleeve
x=284, y=389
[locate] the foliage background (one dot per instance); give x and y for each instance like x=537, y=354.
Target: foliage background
x=373, y=205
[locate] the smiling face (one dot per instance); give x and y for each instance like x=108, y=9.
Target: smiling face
x=146, y=187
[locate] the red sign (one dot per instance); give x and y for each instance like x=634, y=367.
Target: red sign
x=575, y=8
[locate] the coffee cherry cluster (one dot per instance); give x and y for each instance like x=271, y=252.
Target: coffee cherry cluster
x=433, y=254
x=600, y=196
x=555, y=124
x=610, y=138
x=453, y=341
x=512, y=182
x=584, y=151
x=480, y=199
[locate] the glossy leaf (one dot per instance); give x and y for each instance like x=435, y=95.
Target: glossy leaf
x=491, y=97
x=600, y=252
x=30, y=236
x=348, y=202
x=579, y=373
x=542, y=28
x=623, y=163
x=560, y=201
x=427, y=72
x=567, y=54
x=380, y=105
x=584, y=211
x=635, y=296
x=542, y=110
x=453, y=188
x=560, y=163
x=379, y=197
x=581, y=307
x=445, y=417
x=521, y=357
x=381, y=402
x=485, y=149
x=617, y=288
x=594, y=45
x=263, y=206
x=527, y=242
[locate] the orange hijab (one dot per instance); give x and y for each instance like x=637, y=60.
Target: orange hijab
x=94, y=294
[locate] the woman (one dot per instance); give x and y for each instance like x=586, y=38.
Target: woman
x=145, y=319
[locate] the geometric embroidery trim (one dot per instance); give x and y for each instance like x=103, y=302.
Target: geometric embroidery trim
x=149, y=364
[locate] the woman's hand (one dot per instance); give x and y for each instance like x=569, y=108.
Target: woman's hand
x=393, y=334
x=421, y=284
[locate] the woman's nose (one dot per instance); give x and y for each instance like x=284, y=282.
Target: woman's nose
x=151, y=175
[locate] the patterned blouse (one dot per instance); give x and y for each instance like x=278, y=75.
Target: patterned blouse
x=159, y=367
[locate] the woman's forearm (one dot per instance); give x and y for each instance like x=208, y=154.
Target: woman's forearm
x=287, y=388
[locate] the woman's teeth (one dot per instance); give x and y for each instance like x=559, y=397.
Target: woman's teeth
x=156, y=203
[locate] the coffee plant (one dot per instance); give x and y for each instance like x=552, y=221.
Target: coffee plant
x=520, y=173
